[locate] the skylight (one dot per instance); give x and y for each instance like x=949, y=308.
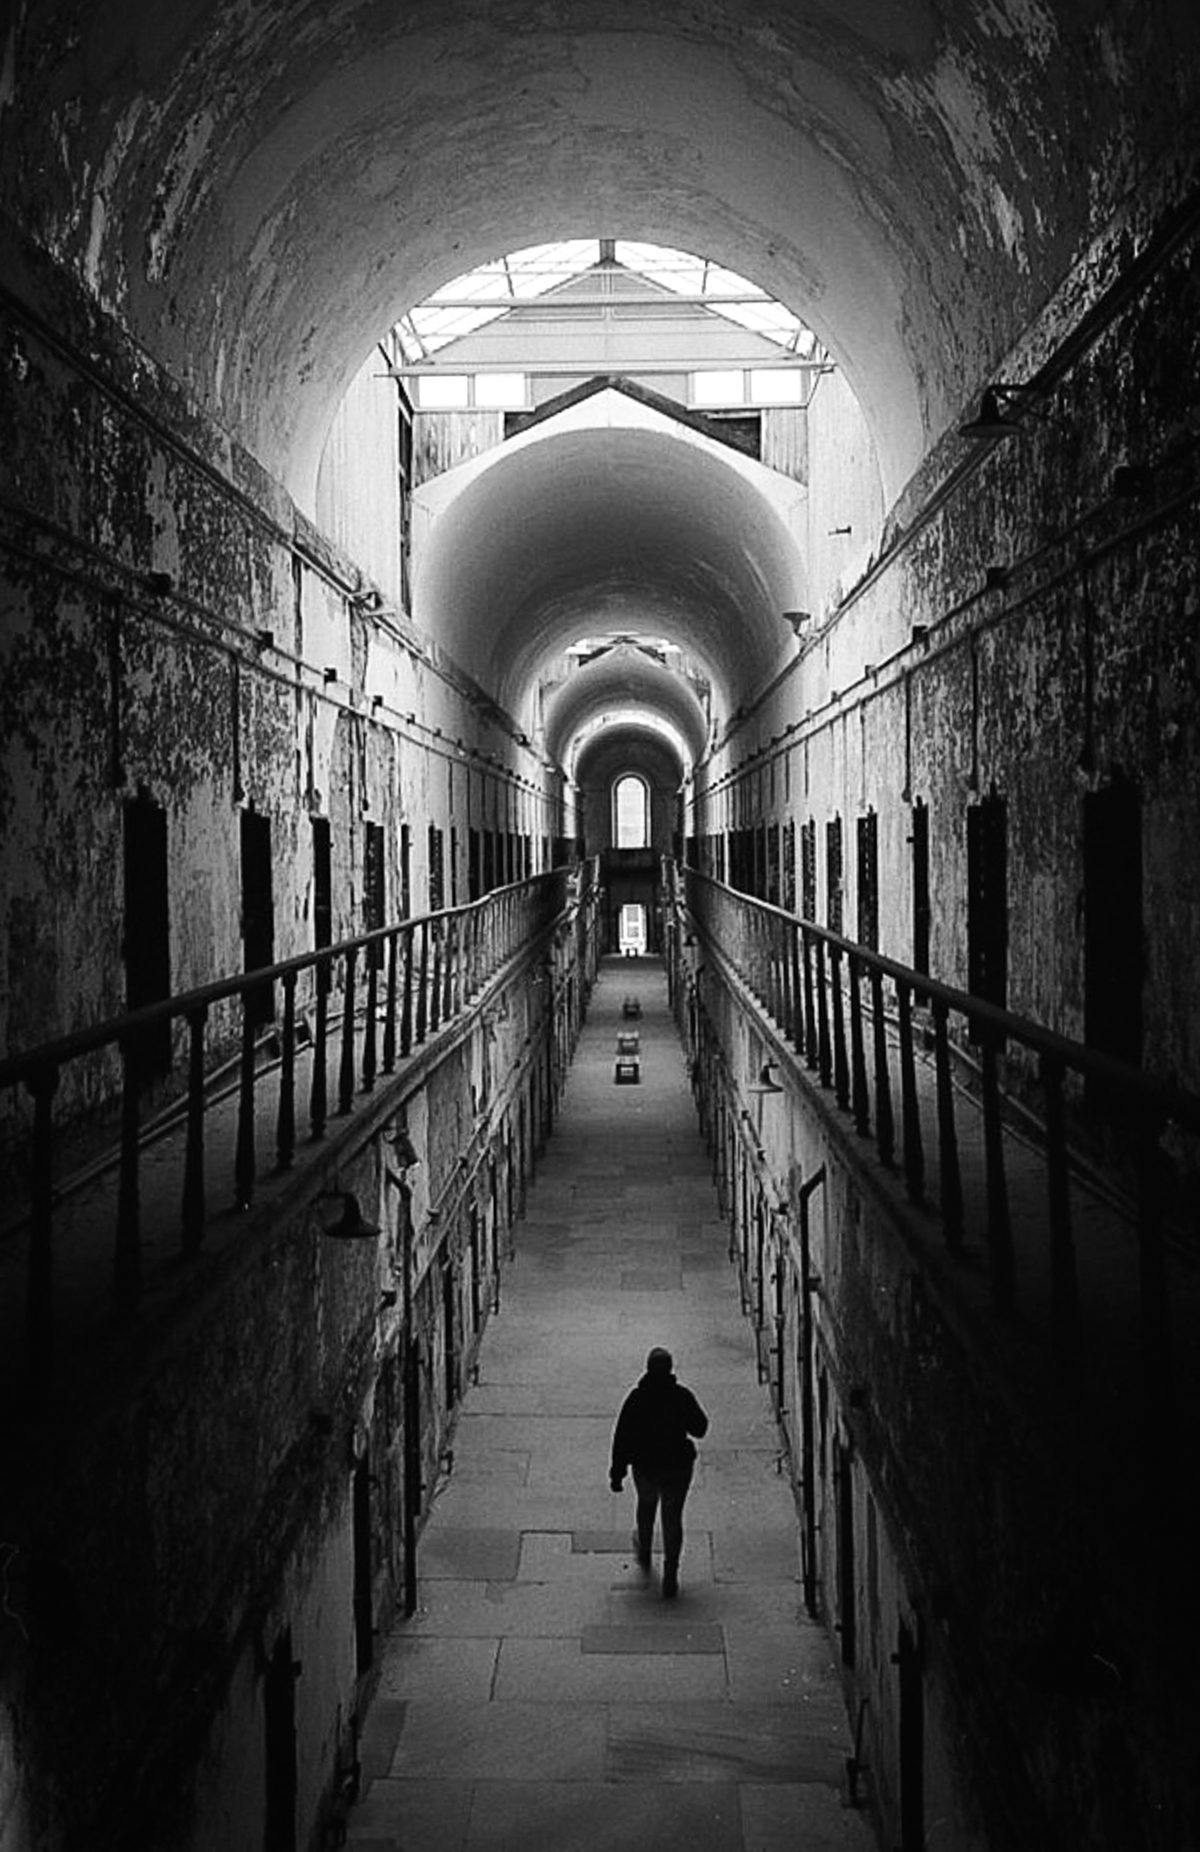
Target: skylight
x=484, y=295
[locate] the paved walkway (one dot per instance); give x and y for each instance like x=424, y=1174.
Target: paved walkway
x=544, y=1694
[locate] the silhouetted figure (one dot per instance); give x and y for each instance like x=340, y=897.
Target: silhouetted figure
x=653, y=1436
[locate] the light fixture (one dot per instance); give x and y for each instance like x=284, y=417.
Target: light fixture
x=995, y=578
x=766, y=1082
x=264, y=639
x=993, y=420
x=329, y=675
x=351, y=1227
x=405, y=1150
x=799, y=621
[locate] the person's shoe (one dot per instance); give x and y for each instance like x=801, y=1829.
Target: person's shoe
x=643, y=1556
x=670, y=1584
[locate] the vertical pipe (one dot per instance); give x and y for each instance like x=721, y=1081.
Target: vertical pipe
x=914, y=1154
x=810, y=1008
x=285, y=1134
x=194, y=1205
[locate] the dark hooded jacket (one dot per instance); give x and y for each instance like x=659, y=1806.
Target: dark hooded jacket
x=653, y=1428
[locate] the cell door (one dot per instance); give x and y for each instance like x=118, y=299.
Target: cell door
x=322, y=859
x=364, y=1618
x=1112, y=922
x=279, y=1721
x=146, y=945
x=258, y=910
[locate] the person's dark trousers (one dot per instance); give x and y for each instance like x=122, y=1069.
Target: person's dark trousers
x=668, y=1489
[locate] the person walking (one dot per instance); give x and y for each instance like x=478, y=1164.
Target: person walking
x=653, y=1436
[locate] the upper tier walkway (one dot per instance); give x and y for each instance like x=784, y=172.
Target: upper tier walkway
x=544, y=1694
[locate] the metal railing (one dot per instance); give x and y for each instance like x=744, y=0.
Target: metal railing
x=399, y=985
x=826, y=994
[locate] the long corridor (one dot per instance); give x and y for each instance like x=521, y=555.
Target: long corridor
x=544, y=1694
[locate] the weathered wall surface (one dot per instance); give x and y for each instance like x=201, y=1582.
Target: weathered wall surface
x=171, y=628
x=1069, y=668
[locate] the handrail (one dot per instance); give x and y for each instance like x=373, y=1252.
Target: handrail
x=409, y=978
x=810, y=980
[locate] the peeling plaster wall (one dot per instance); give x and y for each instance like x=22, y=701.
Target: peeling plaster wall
x=1080, y=666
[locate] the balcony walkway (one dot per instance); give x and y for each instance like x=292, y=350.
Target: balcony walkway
x=544, y=1694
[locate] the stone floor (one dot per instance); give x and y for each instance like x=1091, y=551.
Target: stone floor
x=544, y=1694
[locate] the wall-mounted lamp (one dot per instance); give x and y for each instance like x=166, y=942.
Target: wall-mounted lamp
x=406, y=1152
x=376, y=703
x=264, y=639
x=995, y=578
x=799, y=621
x=329, y=675
x=766, y=1082
x=351, y=1226
x=840, y=530
x=920, y=633
x=993, y=419
x=161, y=584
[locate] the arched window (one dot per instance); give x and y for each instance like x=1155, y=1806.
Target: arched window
x=631, y=813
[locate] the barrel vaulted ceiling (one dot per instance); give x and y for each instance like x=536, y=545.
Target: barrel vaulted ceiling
x=258, y=188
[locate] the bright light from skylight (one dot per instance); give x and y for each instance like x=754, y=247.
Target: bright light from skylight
x=523, y=275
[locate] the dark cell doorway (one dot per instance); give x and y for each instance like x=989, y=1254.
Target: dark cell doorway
x=364, y=1618
x=258, y=910
x=1112, y=920
x=279, y=1720
x=322, y=891
x=147, y=939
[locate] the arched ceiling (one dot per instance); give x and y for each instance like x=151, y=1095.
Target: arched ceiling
x=608, y=531
x=259, y=190
x=622, y=682
x=628, y=748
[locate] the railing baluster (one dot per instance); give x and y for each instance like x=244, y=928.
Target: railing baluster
x=318, y=1110
x=858, y=1065
x=435, y=983
x=39, y=1303
x=795, y=1025
x=885, y=1124
x=423, y=981
x=127, y=1267
x=346, y=1065
x=1001, y=1258
x=1064, y=1286
x=194, y=1193
x=406, y=1012
x=370, y=1058
x=1152, y=1271
x=810, y=1007
x=389, y=1027
x=244, y=1165
x=824, y=1049
x=950, y=1178
x=914, y=1153
x=841, y=1065
x=285, y=1129
x=451, y=933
